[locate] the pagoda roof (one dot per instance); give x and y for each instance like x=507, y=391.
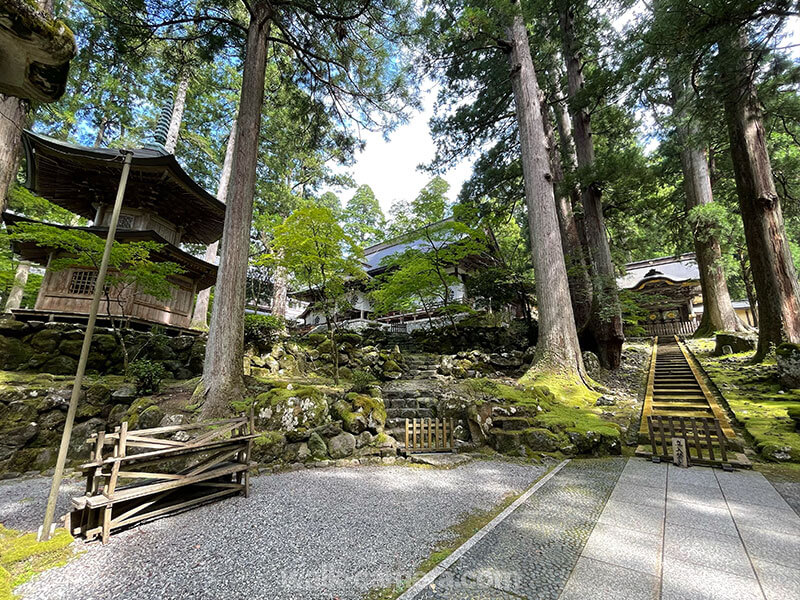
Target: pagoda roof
x=79, y=178
x=205, y=274
x=674, y=270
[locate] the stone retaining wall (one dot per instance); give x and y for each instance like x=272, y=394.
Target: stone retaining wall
x=55, y=347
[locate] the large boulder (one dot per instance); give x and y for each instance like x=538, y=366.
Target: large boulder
x=269, y=446
x=342, y=445
x=292, y=408
x=46, y=340
x=78, y=446
x=739, y=342
x=60, y=365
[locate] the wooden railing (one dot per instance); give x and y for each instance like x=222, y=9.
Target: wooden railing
x=160, y=474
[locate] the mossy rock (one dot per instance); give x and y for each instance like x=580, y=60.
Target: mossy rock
x=315, y=339
x=353, y=421
x=150, y=417
x=371, y=407
x=285, y=409
x=269, y=446
x=325, y=347
x=13, y=353
x=136, y=409
x=61, y=365
x=349, y=337
x=317, y=447
x=46, y=340
x=794, y=415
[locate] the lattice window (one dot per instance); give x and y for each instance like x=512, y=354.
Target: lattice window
x=125, y=222
x=82, y=282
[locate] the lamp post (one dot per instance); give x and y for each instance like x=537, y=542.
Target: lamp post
x=47, y=526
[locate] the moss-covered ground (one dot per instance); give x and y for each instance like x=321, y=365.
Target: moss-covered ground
x=754, y=395
x=22, y=557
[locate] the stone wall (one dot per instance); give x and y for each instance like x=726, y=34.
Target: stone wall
x=33, y=409
x=55, y=347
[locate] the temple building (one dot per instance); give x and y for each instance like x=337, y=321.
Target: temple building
x=669, y=291
x=162, y=203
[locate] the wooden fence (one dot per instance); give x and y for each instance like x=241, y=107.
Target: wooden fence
x=702, y=434
x=429, y=435
x=146, y=473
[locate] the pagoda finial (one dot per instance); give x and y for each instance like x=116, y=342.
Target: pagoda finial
x=162, y=127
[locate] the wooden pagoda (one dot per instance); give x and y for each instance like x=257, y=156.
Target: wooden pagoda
x=162, y=203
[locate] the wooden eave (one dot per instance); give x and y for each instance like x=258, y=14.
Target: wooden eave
x=79, y=179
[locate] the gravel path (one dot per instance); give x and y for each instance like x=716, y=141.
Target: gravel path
x=22, y=501
x=313, y=534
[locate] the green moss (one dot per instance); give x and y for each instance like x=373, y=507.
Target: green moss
x=137, y=408
x=22, y=557
x=751, y=391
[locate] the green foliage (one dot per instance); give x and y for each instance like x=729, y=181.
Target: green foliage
x=363, y=218
x=361, y=381
x=147, y=375
x=313, y=247
x=421, y=277
x=130, y=264
x=260, y=331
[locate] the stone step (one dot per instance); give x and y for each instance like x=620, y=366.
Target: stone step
x=421, y=402
x=410, y=413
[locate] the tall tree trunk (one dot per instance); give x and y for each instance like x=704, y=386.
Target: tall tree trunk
x=747, y=278
x=580, y=285
x=18, y=287
x=177, y=113
x=718, y=313
x=101, y=132
x=606, y=323
x=13, y=113
x=222, y=372
x=557, y=348
x=773, y=272
x=280, y=289
x=200, y=314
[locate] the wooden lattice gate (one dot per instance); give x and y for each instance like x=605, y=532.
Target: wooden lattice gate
x=429, y=435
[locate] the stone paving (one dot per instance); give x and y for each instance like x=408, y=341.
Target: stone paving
x=532, y=553
x=635, y=530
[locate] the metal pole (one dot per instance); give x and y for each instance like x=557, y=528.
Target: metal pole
x=45, y=531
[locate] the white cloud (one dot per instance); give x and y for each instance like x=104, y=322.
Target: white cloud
x=390, y=167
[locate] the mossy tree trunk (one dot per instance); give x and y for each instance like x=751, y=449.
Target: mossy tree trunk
x=718, y=312
x=606, y=319
x=580, y=284
x=223, y=367
x=771, y=263
x=558, y=347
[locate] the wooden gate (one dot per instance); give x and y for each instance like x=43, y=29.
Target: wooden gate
x=705, y=441
x=429, y=435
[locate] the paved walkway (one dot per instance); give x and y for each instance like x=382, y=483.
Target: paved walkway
x=636, y=530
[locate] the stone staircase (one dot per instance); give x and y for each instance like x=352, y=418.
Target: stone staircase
x=413, y=396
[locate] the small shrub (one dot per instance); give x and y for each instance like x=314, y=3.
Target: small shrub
x=260, y=331
x=362, y=382
x=147, y=376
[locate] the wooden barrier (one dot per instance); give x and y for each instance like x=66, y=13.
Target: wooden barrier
x=160, y=474
x=429, y=435
x=702, y=434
